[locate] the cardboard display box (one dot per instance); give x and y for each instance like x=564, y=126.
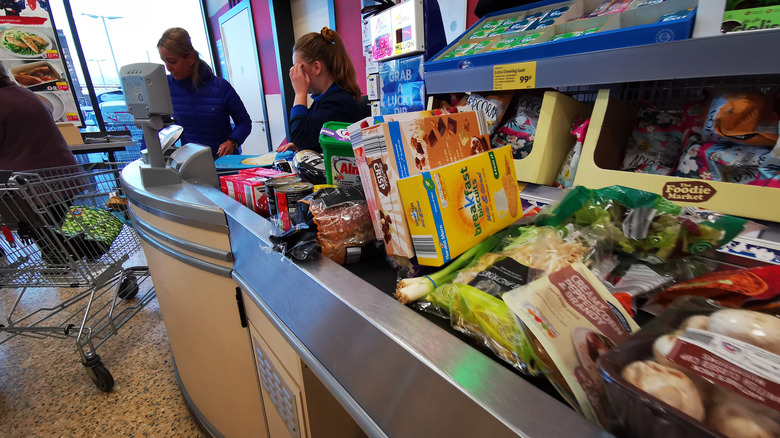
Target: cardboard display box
x=610, y=127
x=454, y=207
x=553, y=138
x=71, y=133
x=632, y=27
x=402, y=148
x=742, y=20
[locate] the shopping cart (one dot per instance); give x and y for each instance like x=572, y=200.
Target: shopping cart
x=65, y=228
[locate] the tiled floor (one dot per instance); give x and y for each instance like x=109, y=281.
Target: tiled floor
x=45, y=391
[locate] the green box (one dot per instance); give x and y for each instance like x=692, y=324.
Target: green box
x=340, y=165
x=767, y=17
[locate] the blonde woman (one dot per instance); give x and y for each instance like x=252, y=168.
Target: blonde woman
x=202, y=102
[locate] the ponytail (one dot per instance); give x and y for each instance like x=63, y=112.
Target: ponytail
x=328, y=48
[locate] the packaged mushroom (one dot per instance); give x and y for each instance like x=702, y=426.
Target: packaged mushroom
x=697, y=370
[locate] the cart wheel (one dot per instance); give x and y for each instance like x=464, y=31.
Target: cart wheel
x=100, y=376
x=128, y=288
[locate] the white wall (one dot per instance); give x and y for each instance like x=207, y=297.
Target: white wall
x=309, y=16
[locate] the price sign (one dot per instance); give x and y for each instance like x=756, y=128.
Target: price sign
x=516, y=76
x=52, y=54
x=72, y=117
x=62, y=86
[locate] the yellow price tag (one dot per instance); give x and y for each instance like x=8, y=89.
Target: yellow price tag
x=516, y=76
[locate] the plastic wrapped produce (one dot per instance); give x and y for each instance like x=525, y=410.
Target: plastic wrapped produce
x=696, y=370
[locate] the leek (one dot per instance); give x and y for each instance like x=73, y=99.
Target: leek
x=412, y=289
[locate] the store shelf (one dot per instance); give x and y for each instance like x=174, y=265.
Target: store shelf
x=737, y=54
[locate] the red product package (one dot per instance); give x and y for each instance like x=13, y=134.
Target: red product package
x=252, y=194
x=752, y=288
x=227, y=185
x=263, y=173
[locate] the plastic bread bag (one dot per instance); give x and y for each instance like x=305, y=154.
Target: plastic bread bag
x=343, y=223
x=519, y=127
x=494, y=105
x=728, y=162
x=655, y=143
x=742, y=117
x=574, y=319
x=641, y=224
x=696, y=370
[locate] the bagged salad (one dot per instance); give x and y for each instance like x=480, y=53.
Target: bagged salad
x=469, y=291
x=641, y=224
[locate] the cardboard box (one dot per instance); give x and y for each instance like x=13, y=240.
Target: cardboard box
x=553, y=138
x=401, y=85
x=398, y=149
x=397, y=31
x=610, y=127
x=454, y=207
x=632, y=27
x=71, y=133
x=356, y=138
x=742, y=20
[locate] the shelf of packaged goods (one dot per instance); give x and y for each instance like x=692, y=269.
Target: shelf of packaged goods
x=756, y=246
x=736, y=54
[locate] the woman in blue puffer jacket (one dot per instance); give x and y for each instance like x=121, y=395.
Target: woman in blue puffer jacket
x=203, y=103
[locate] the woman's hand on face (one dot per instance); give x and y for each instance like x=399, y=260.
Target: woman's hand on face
x=287, y=147
x=299, y=79
x=226, y=148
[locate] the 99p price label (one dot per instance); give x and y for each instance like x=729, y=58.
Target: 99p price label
x=518, y=76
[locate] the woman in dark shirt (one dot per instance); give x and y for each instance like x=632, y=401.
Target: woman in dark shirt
x=323, y=68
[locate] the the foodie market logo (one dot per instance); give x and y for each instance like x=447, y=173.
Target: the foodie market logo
x=688, y=191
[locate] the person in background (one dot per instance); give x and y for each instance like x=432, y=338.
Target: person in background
x=203, y=103
x=322, y=67
x=29, y=138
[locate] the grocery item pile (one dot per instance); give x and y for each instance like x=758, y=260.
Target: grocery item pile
x=556, y=294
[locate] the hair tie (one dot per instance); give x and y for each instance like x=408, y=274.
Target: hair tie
x=328, y=34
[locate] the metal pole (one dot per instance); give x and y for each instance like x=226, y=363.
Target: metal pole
x=85, y=69
x=110, y=47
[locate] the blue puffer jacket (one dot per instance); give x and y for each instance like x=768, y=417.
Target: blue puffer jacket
x=205, y=113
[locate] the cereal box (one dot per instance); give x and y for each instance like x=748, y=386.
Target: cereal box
x=356, y=138
x=454, y=207
x=398, y=149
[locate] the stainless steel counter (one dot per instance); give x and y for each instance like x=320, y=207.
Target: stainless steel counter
x=397, y=373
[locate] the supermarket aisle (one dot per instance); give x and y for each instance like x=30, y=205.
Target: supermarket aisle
x=45, y=392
